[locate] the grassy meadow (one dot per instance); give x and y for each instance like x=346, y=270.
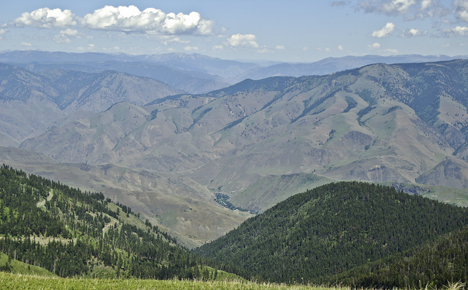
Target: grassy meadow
x=18, y=281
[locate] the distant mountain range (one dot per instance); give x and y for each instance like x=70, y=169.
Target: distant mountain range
x=196, y=73
x=33, y=101
x=257, y=142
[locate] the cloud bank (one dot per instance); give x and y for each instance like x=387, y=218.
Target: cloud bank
x=124, y=19
x=131, y=19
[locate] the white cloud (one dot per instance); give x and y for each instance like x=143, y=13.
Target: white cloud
x=410, y=9
x=131, y=19
x=387, y=7
x=125, y=19
x=340, y=47
x=25, y=44
x=461, y=9
x=402, y=6
x=3, y=31
x=426, y=4
x=413, y=32
x=46, y=18
x=66, y=35
x=457, y=31
x=263, y=50
x=280, y=47
x=385, y=31
x=243, y=40
x=323, y=49
x=190, y=48
x=170, y=39
x=374, y=46
x=391, y=50
x=218, y=47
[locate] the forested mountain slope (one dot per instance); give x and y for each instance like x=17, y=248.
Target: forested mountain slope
x=331, y=229
x=432, y=264
x=74, y=233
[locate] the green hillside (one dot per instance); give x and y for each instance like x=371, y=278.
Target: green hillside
x=73, y=233
x=432, y=264
x=331, y=229
x=7, y=264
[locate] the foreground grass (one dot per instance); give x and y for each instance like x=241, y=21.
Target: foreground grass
x=16, y=281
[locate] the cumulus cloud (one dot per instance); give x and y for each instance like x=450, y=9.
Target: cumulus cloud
x=385, y=31
x=280, y=47
x=243, y=40
x=425, y=4
x=25, y=44
x=131, y=19
x=461, y=9
x=457, y=31
x=413, y=32
x=374, y=46
x=46, y=18
x=125, y=19
x=340, y=47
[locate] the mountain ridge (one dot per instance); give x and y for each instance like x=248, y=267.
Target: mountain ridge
x=331, y=229
x=370, y=124
x=31, y=102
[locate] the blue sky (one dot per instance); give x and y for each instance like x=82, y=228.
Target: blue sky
x=294, y=30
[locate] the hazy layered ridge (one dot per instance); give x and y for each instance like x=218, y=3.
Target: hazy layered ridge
x=196, y=73
x=31, y=102
x=378, y=123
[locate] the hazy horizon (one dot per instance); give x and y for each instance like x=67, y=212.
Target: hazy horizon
x=301, y=31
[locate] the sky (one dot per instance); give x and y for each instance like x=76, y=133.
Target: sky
x=273, y=30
